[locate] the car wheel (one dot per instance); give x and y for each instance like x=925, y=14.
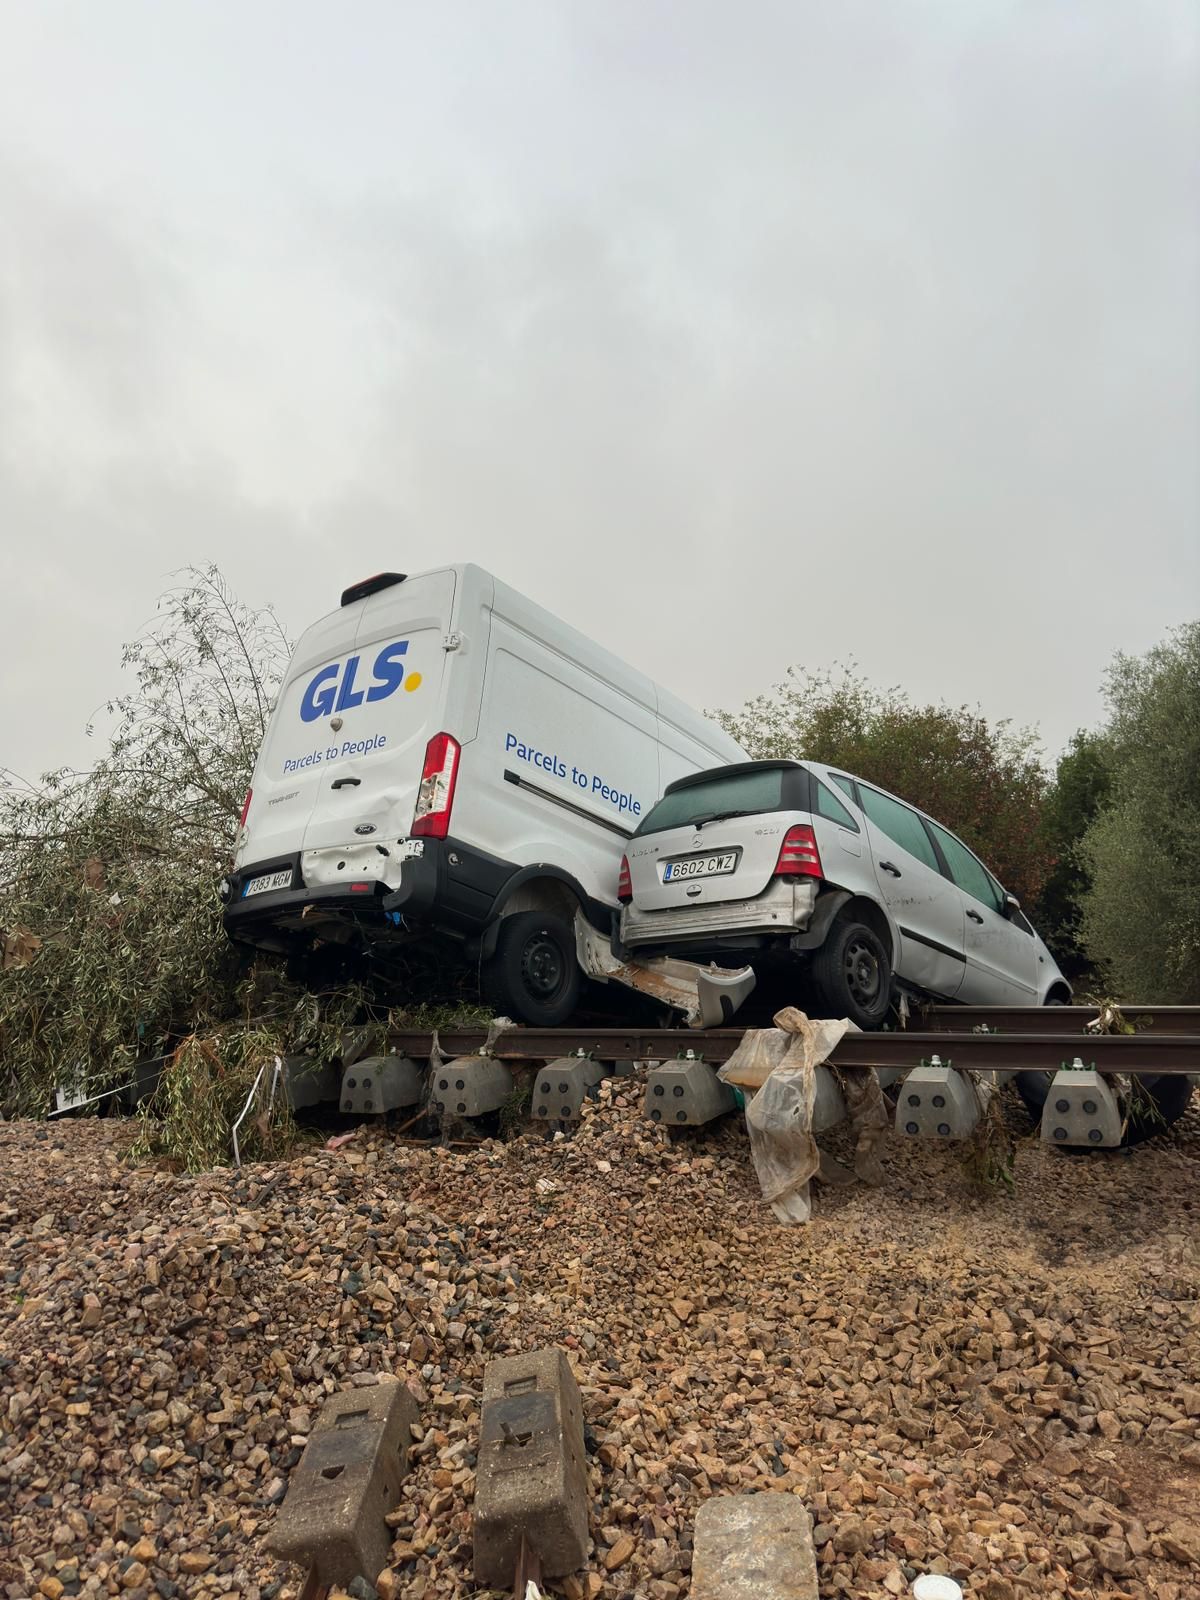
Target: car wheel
x=852, y=974
x=533, y=975
x=1164, y=1099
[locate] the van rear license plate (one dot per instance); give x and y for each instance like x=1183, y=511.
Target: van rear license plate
x=699, y=867
x=269, y=881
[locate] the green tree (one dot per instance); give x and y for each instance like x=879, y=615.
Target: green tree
x=1082, y=781
x=1141, y=913
x=983, y=780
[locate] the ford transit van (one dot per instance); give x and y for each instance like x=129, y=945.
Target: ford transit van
x=446, y=757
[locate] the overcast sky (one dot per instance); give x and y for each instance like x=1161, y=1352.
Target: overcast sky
x=737, y=334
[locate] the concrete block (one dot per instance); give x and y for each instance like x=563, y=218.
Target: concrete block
x=345, y=1483
x=377, y=1084
x=560, y=1089
x=1081, y=1109
x=471, y=1086
x=937, y=1102
x=685, y=1094
x=307, y=1084
x=531, y=1477
x=753, y=1547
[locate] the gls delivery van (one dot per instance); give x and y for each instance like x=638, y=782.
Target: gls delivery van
x=447, y=757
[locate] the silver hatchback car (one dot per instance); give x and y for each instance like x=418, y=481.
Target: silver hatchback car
x=785, y=862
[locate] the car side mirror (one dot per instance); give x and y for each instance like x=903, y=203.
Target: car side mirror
x=1011, y=904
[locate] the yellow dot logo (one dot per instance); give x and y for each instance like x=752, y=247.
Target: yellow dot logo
x=413, y=681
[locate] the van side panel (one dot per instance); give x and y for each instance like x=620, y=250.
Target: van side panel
x=566, y=761
x=689, y=741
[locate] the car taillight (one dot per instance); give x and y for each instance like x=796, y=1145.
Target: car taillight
x=624, y=883
x=245, y=808
x=798, y=854
x=431, y=819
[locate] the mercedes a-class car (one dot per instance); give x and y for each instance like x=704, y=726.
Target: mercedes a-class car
x=791, y=863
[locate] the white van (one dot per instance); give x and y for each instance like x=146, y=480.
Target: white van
x=447, y=757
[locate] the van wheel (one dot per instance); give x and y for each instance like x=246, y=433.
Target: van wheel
x=533, y=977
x=852, y=974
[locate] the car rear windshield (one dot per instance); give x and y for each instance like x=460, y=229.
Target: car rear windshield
x=737, y=794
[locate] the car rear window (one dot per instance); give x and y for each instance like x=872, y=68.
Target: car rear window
x=828, y=805
x=738, y=792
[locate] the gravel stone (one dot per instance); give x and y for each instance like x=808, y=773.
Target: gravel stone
x=1004, y=1387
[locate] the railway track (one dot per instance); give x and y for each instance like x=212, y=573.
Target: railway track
x=1088, y=1089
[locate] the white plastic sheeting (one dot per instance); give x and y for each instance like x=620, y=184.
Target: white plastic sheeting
x=777, y=1068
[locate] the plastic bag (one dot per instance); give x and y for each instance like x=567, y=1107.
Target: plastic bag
x=782, y=1147
x=751, y=1064
x=782, y=1062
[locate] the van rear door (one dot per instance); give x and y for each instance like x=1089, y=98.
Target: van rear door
x=342, y=757
x=373, y=711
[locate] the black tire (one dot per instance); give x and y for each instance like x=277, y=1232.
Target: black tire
x=1168, y=1093
x=852, y=974
x=533, y=976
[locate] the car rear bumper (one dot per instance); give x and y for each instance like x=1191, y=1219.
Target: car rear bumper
x=785, y=907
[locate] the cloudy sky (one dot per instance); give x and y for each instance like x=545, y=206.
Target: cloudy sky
x=739, y=335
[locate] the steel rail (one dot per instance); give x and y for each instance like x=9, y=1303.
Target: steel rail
x=1054, y=1019
x=1150, y=1053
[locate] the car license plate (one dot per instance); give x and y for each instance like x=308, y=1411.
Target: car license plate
x=700, y=867
x=269, y=881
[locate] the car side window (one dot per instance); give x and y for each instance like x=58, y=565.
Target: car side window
x=846, y=785
x=902, y=826
x=968, y=873
x=828, y=805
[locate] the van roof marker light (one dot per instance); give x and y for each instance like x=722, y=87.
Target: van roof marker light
x=369, y=586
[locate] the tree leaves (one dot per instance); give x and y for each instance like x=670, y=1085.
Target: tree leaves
x=983, y=781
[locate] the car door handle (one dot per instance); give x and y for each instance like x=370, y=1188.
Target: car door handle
x=974, y=916
x=339, y=783
x=889, y=867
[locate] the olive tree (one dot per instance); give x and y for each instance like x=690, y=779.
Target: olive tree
x=108, y=903
x=1141, y=911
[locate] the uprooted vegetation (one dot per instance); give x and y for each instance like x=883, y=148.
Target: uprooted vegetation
x=113, y=949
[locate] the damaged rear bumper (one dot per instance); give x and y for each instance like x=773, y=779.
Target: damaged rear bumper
x=784, y=908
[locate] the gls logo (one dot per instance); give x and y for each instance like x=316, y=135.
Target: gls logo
x=325, y=695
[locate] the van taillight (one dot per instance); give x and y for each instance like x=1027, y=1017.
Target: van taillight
x=245, y=808
x=431, y=819
x=798, y=854
x=624, y=883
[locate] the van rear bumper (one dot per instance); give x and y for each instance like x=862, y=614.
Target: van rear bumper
x=444, y=884
x=272, y=920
